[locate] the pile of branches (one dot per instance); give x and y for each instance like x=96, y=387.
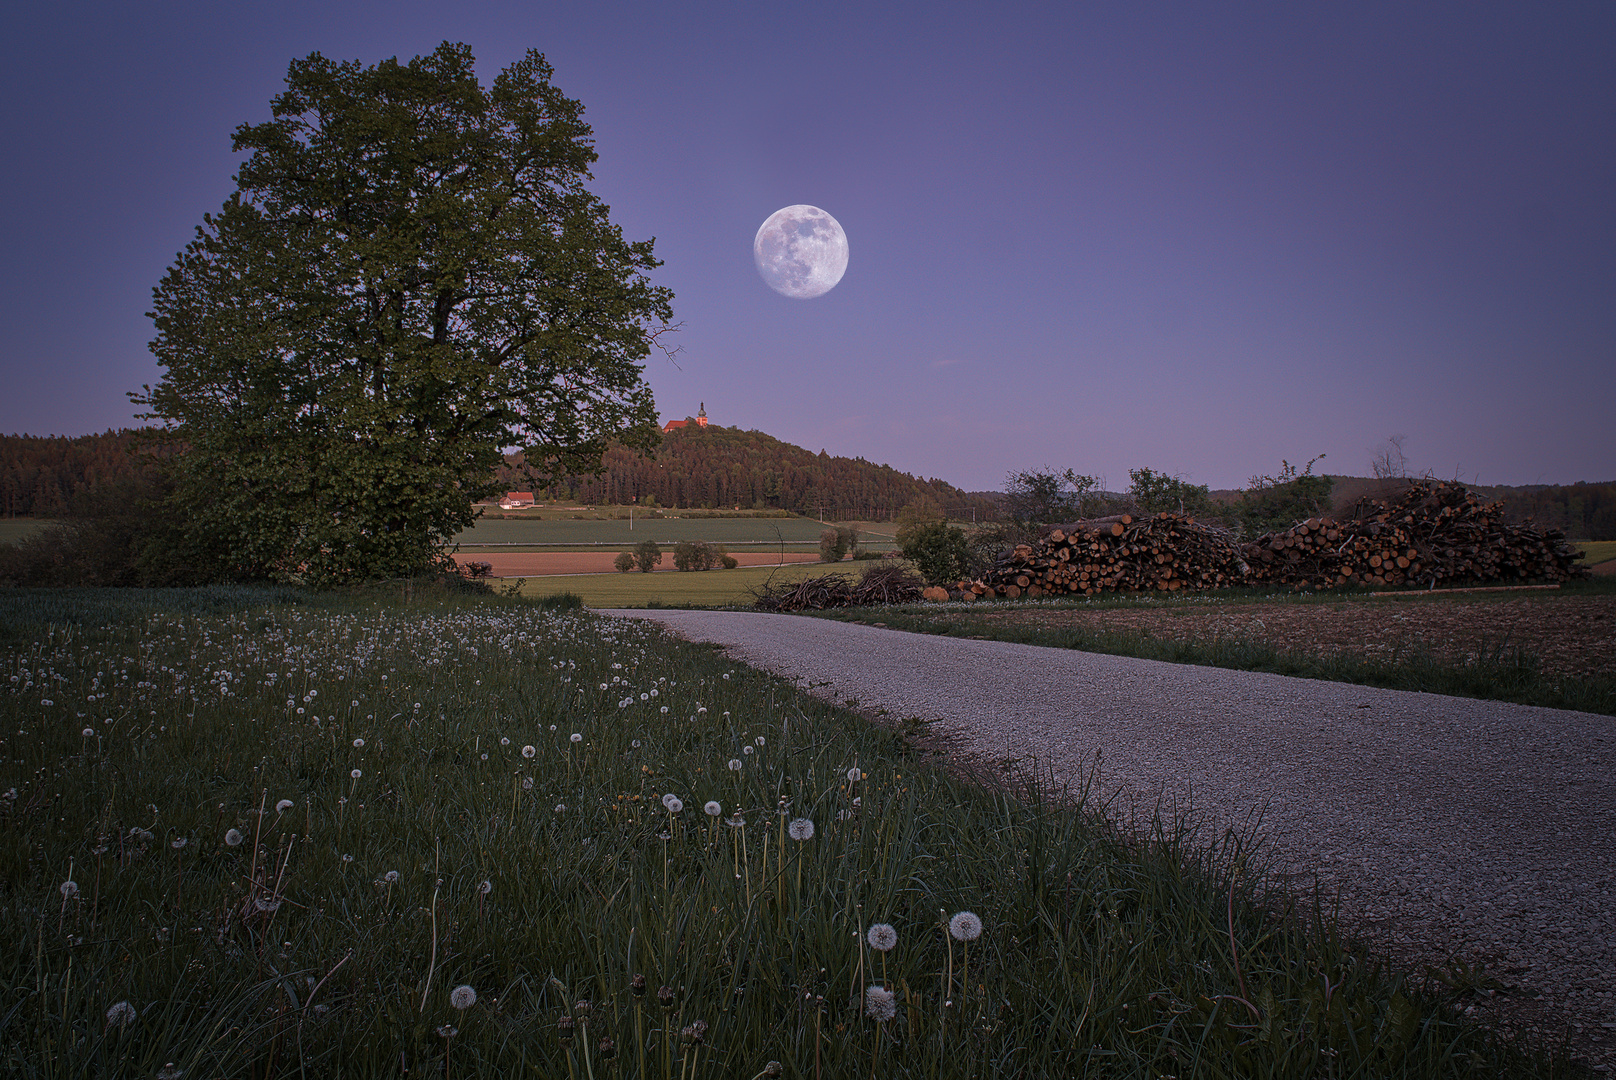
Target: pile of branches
x=1167, y=552
x=879, y=585
x=1435, y=533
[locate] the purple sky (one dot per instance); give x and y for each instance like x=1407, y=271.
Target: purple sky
x=1195, y=237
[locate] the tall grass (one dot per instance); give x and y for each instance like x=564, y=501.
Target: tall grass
x=296, y=834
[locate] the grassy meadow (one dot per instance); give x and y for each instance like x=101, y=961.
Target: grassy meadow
x=267, y=834
x=16, y=530
x=698, y=588
x=1597, y=551
x=754, y=532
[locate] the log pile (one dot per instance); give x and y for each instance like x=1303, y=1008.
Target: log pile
x=1435, y=533
x=1167, y=552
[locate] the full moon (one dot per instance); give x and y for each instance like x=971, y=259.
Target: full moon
x=801, y=252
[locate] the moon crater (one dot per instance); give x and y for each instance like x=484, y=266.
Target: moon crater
x=800, y=251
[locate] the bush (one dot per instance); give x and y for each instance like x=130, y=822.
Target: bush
x=937, y=549
x=831, y=546
x=647, y=556
x=729, y=561
x=562, y=601
x=690, y=555
x=624, y=561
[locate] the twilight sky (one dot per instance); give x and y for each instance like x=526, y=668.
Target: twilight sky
x=1199, y=237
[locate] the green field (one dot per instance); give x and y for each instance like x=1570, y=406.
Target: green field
x=1598, y=551
x=752, y=532
x=16, y=530
x=273, y=835
x=703, y=588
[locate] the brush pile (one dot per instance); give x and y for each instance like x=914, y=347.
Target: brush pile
x=879, y=585
x=1167, y=552
x=1435, y=533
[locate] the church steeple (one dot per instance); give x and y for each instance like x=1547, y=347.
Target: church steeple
x=701, y=415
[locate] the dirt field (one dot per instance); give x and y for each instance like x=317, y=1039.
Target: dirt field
x=1572, y=635
x=557, y=563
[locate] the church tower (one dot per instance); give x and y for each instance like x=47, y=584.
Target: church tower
x=701, y=415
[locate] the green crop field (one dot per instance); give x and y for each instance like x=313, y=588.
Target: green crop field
x=703, y=588
x=16, y=530
x=668, y=530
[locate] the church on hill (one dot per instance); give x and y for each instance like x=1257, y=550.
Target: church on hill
x=701, y=420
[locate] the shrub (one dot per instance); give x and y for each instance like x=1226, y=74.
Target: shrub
x=936, y=548
x=647, y=556
x=624, y=561
x=831, y=546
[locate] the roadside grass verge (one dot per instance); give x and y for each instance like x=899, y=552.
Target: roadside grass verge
x=348, y=836
x=1501, y=673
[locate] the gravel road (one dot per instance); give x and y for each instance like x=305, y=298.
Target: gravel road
x=1451, y=827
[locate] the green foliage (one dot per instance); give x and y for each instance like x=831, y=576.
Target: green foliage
x=1275, y=503
x=1046, y=497
x=696, y=555
x=835, y=543
x=937, y=549
x=410, y=276
x=647, y=556
x=624, y=561
x=1153, y=492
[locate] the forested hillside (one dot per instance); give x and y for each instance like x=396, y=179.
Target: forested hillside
x=39, y=473
x=721, y=466
x=713, y=466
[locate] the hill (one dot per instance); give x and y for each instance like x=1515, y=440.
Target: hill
x=716, y=466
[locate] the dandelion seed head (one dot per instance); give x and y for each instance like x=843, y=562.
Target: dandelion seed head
x=747, y=750
x=735, y=764
x=88, y=733
x=356, y=774
x=561, y=807
x=390, y=877
x=527, y=783
x=673, y=803
x=283, y=806
x=447, y=1031
x=528, y=751
x=359, y=744
x=69, y=889
x=879, y=1003
x=854, y=776
x=882, y=937
x=712, y=809
x=801, y=829
x=232, y=837
x=121, y=1015
x=503, y=741
x=965, y=926
x=576, y=737
x=179, y=842
x=462, y=997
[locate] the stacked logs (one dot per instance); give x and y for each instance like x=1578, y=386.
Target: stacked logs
x=1167, y=552
x=1435, y=533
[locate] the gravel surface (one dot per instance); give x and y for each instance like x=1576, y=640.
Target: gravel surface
x=1452, y=828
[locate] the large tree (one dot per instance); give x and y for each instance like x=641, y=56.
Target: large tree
x=410, y=276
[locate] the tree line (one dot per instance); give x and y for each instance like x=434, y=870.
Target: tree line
x=717, y=467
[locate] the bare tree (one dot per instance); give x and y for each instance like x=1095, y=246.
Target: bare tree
x=1389, y=462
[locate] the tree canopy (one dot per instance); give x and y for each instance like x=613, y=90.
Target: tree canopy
x=410, y=277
